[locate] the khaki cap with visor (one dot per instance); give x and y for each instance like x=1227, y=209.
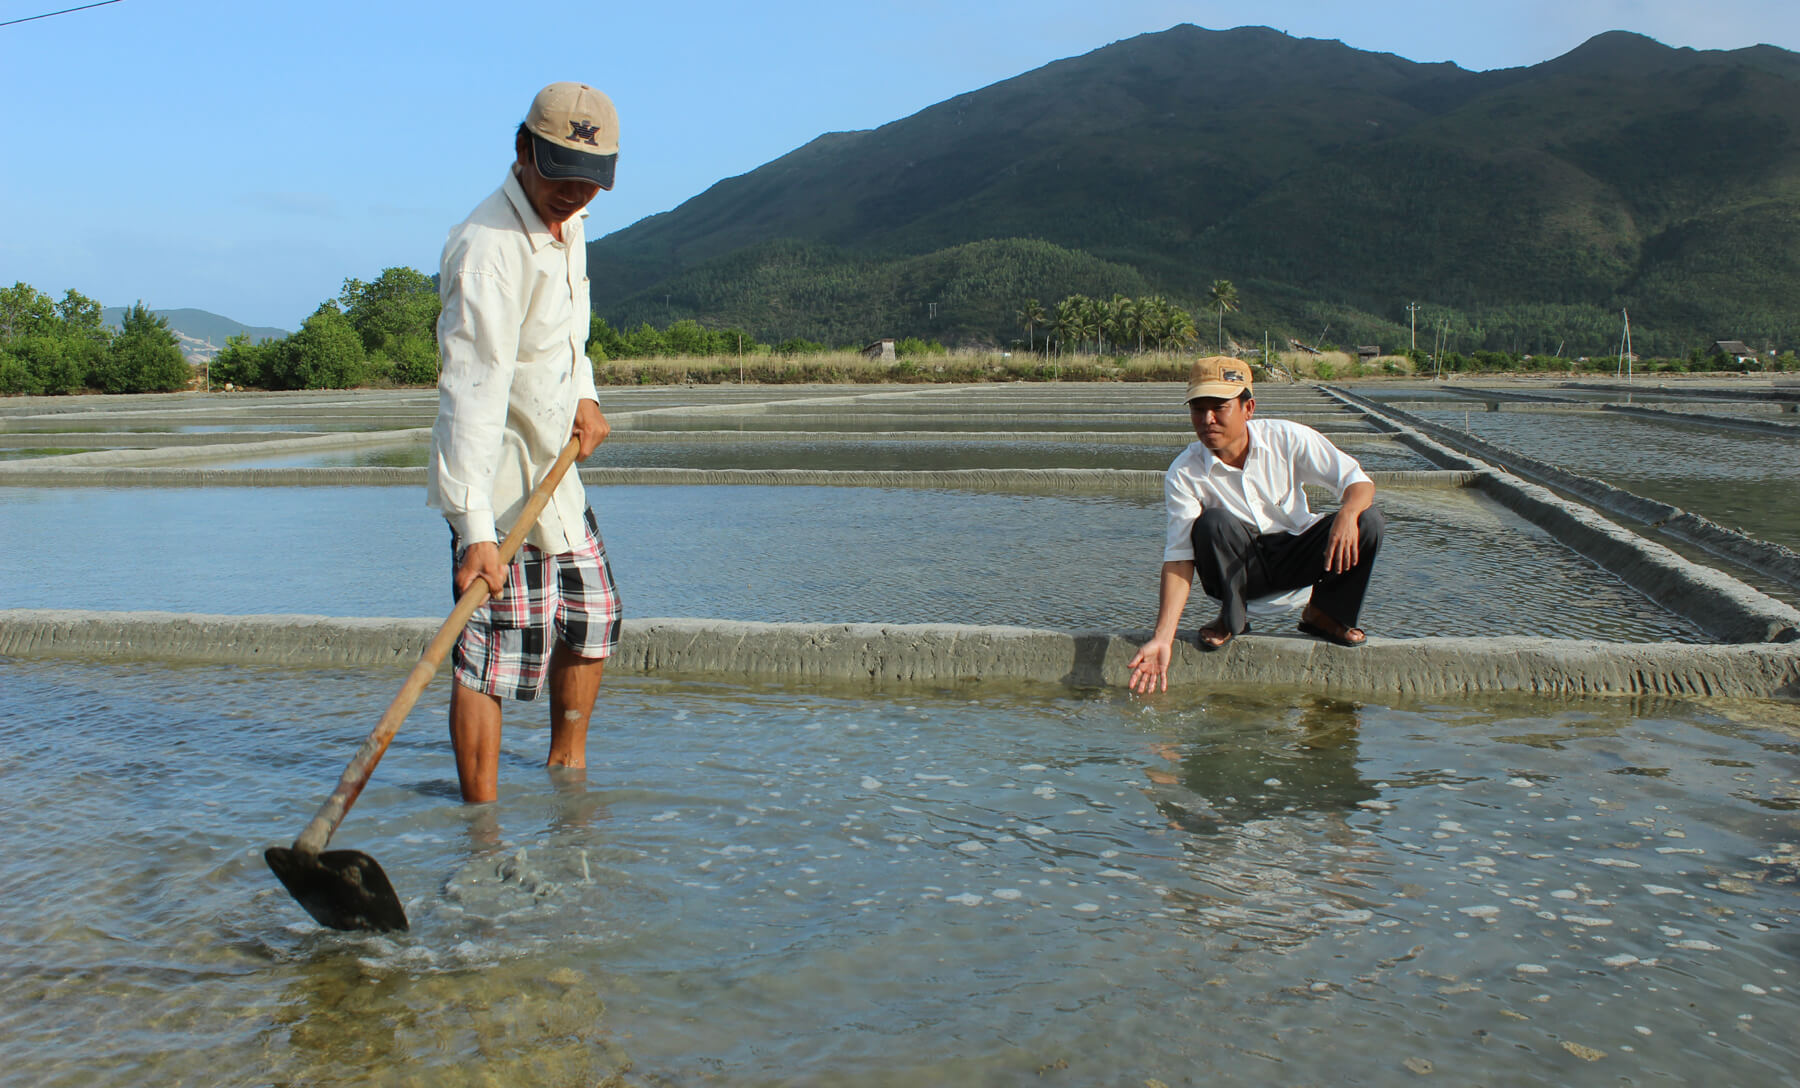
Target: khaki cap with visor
x=1218, y=376
x=574, y=133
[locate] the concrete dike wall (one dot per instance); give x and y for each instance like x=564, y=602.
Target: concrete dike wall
x=937, y=654
x=1696, y=419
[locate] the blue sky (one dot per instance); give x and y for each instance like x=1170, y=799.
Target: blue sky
x=245, y=158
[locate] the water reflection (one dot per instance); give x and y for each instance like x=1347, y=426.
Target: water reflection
x=1304, y=762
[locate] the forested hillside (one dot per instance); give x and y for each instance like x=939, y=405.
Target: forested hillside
x=1519, y=209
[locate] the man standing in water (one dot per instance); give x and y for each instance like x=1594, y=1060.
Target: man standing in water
x=1237, y=516
x=516, y=384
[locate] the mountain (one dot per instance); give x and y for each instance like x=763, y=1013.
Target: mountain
x=1334, y=186
x=200, y=333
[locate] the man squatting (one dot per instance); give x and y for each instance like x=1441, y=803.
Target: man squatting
x=1237, y=516
x=515, y=386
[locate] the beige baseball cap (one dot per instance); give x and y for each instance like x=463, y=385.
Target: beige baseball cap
x=575, y=133
x=1218, y=376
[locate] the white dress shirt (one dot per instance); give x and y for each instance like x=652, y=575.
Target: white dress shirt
x=1266, y=494
x=513, y=335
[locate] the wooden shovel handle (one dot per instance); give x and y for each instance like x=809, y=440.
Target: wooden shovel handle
x=317, y=833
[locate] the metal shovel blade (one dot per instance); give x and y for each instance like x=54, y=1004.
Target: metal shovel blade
x=343, y=889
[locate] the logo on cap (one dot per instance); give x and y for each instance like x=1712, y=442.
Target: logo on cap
x=1232, y=375
x=581, y=130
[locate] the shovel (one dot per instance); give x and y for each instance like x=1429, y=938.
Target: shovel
x=346, y=889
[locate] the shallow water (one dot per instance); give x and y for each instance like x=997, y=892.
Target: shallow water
x=766, y=885
x=852, y=454
x=1741, y=480
x=1454, y=563
x=961, y=421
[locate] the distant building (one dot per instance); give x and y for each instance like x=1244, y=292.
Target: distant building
x=1736, y=349
x=881, y=349
x=1365, y=352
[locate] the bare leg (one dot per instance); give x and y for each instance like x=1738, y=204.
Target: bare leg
x=574, y=684
x=475, y=737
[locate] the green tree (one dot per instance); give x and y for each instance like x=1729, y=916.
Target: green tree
x=241, y=362
x=25, y=310
x=143, y=358
x=686, y=337
x=1070, y=322
x=81, y=316
x=396, y=319
x=1223, y=294
x=1131, y=319
x=325, y=353
x=1169, y=326
x=50, y=347
x=16, y=375
x=1094, y=316
x=1031, y=315
x=58, y=364
x=604, y=341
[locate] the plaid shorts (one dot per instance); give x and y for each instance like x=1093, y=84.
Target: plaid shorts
x=569, y=596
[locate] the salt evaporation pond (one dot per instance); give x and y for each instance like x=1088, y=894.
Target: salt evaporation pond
x=977, y=886
x=856, y=454
x=1454, y=564
x=1745, y=481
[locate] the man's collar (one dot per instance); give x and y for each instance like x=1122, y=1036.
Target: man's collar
x=535, y=231
x=1206, y=466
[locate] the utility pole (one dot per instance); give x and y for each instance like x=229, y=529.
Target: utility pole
x=1412, y=309
x=1625, y=349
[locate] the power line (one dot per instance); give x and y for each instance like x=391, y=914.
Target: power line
x=65, y=11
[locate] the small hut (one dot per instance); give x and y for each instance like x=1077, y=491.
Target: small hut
x=881, y=349
x=1736, y=349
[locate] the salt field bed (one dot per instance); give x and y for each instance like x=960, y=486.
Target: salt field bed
x=985, y=421
x=764, y=885
x=1455, y=563
x=851, y=452
x=966, y=882
x=1740, y=480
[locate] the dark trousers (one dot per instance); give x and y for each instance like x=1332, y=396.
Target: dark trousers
x=1236, y=565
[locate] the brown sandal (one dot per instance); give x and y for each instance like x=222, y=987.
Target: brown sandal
x=1336, y=633
x=1201, y=636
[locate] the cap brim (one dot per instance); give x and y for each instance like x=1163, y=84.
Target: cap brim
x=560, y=163
x=1221, y=390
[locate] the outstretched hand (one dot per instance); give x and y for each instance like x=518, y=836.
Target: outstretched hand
x=1150, y=668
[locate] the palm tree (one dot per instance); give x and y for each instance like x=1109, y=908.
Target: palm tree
x=1093, y=320
x=1153, y=319
x=1131, y=319
x=1224, y=295
x=1031, y=314
x=1180, y=328
x=1069, y=324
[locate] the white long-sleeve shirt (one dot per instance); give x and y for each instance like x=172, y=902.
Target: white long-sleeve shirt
x=1265, y=494
x=513, y=336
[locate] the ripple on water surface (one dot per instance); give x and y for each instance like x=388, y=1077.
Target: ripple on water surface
x=837, y=455
x=1454, y=563
x=812, y=886
x=1737, y=479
